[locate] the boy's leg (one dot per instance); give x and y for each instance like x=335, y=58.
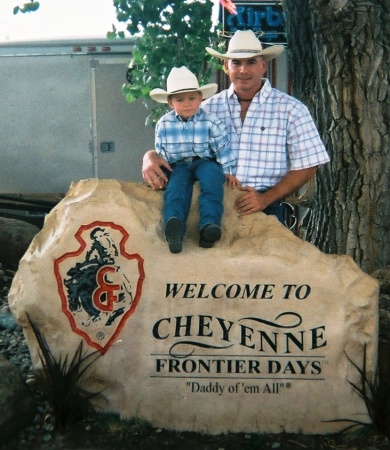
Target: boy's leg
x=211, y=182
x=174, y=234
x=177, y=201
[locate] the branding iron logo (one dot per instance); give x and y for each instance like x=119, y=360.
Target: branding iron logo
x=99, y=283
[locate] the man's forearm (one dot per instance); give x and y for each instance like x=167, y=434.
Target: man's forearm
x=290, y=183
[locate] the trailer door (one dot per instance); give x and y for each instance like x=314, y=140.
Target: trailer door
x=119, y=134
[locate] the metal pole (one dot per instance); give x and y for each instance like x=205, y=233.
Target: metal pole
x=94, y=140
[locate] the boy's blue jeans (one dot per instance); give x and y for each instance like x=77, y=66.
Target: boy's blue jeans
x=178, y=193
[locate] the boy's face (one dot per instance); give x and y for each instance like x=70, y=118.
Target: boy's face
x=186, y=104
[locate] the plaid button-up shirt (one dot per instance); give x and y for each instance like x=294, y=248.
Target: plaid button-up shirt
x=278, y=135
x=202, y=135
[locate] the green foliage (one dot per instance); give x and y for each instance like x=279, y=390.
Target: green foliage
x=168, y=33
x=31, y=6
x=62, y=382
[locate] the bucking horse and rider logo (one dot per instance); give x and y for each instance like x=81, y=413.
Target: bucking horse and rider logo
x=99, y=283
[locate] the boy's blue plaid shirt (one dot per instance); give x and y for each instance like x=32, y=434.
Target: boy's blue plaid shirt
x=202, y=135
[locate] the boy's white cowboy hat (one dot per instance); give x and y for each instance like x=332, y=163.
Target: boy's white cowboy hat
x=180, y=79
x=245, y=44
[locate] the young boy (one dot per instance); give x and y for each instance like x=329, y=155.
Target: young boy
x=197, y=146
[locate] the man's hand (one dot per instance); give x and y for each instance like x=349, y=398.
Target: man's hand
x=151, y=170
x=250, y=202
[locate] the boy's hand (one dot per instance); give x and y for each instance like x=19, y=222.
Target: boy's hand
x=232, y=181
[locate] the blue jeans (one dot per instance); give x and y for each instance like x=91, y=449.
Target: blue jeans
x=178, y=193
x=276, y=209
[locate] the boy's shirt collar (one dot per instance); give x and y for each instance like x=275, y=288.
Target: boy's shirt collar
x=192, y=118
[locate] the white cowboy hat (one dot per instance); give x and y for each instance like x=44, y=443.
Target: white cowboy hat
x=182, y=80
x=245, y=44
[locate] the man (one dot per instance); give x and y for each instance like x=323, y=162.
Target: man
x=273, y=136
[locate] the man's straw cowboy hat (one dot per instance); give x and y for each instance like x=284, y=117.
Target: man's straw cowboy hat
x=245, y=44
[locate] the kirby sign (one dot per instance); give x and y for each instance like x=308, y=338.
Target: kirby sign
x=265, y=18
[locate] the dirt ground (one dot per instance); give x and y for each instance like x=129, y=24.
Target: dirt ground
x=106, y=434
x=192, y=441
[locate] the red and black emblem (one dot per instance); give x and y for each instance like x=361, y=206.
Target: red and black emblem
x=99, y=283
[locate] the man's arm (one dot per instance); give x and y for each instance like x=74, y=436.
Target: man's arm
x=152, y=172
x=252, y=201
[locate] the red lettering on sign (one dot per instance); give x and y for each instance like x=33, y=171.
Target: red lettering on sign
x=103, y=296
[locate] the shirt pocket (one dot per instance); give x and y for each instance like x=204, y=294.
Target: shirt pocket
x=201, y=144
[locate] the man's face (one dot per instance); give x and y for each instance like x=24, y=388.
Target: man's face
x=246, y=73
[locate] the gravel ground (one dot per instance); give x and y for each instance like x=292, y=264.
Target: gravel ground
x=13, y=346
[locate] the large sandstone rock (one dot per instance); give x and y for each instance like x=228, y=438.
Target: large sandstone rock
x=254, y=335
x=17, y=403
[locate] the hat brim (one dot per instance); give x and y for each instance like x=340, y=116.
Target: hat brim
x=267, y=53
x=161, y=96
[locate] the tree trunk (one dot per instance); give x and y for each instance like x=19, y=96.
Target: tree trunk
x=339, y=53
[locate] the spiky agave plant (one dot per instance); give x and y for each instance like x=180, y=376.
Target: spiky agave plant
x=62, y=381
x=373, y=390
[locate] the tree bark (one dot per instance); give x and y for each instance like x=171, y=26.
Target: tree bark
x=339, y=53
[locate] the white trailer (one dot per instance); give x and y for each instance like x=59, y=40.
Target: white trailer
x=64, y=117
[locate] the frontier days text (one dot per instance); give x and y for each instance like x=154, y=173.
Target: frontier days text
x=280, y=345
